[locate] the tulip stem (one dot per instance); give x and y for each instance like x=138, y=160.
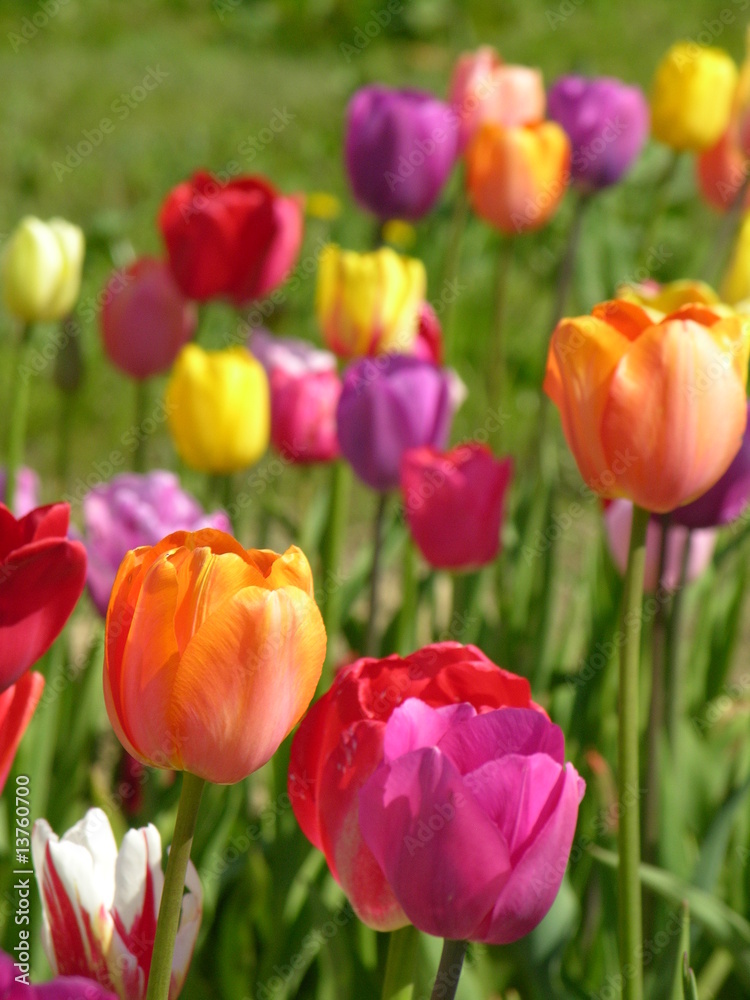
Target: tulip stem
x=400, y=965
x=406, y=636
x=451, y=265
x=19, y=409
x=141, y=406
x=497, y=359
x=672, y=648
x=628, y=778
x=567, y=268
x=333, y=542
x=371, y=640
x=449, y=970
x=174, y=884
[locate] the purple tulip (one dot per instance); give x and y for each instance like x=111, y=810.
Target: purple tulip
x=27, y=490
x=607, y=122
x=727, y=499
x=400, y=148
x=389, y=404
x=132, y=510
x=61, y=988
x=471, y=818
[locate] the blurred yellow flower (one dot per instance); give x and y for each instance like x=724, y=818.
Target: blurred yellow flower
x=322, y=205
x=399, y=234
x=219, y=410
x=40, y=271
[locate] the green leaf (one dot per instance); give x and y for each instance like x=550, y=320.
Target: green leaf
x=683, y=951
x=714, y=847
x=689, y=985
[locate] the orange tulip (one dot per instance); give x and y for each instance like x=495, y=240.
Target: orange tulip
x=212, y=653
x=653, y=409
x=517, y=176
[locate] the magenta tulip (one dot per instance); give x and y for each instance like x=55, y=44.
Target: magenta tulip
x=453, y=503
x=145, y=318
x=471, y=818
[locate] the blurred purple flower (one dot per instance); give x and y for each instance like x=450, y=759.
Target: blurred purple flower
x=389, y=404
x=400, y=148
x=132, y=510
x=607, y=122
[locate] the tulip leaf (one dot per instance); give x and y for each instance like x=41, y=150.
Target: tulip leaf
x=723, y=924
x=716, y=841
x=683, y=951
x=689, y=985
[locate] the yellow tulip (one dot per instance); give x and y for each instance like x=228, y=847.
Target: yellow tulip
x=736, y=285
x=41, y=269
x=219, y=410
x=691, y=101
x=368, y=303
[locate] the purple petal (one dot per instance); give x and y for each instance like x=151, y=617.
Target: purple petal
x=414, y=725
x=504, y=731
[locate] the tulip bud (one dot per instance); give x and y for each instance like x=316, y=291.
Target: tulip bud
x=692, y=94
x=218, y=408
x=368, y=303
x=41, y=269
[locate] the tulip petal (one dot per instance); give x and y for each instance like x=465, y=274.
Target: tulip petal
x=17, y=705
x=443, y=857
x=414, y=725
x=518, y=731
x=244, y=681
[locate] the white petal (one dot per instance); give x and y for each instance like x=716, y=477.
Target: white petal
x=141, y=849
x=190, y=922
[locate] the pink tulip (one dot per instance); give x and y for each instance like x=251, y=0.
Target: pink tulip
x=484, y=89
x=16, y=985
x=471, y=818
x=428, y=344
x=618, y=517
x=453, y=503
x=100, y=905
x=145, y=318
x=17, y=705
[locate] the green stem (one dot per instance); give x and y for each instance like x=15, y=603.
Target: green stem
x=333, y=543
x=449, y=970
x=400, y=965
x=174, y=886
x=628, y=834
x=497, y=360
x=656, y=713
x=567, y=269
x=141, y=407
x=672, y=649
x=464, y=620
x=19, y=410
x=661, y=189
x=451, y=265
x=406, y=636
x=371, y=639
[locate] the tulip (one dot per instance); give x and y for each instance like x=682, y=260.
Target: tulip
x=400, y=148
x=237, y=240
x=691, y=99
x=340, y=744
x=133, y=510
x=429, y=341
x=100, y=905
x=17, y=705
x=27, y=490
x=453, y=503
x=228, y=643
x=218, y=408
x=145, y=319
x=607, y=123
x=653, y=409
x=735, y=287
x=41, y=269
x=61, y=988
x=369, y=303
x=516, y=177
x=388, y=406
x=618, y=518
x=471, y=818
x=721, y=172
x=727, y=499
x=42, y=575
x=484, y=89
x=658, y=299
x=289, y=354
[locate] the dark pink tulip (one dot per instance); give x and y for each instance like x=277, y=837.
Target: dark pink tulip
x=17, y=705
x=60, y=988
x=388, y=405
x=429, y=341
x=607, y=122
x=145, y=318
x=400, y=148
x=453, y=502
x=471, y=818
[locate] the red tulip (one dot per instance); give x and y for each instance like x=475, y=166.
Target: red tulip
x=42, y=574
x=17, y=704
x=145, y=318
x=340, y=744
x=453, y=502
x=237, y=240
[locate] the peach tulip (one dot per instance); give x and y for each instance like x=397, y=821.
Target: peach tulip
x=212, y=653
x=517, y=176
x=653, y=409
